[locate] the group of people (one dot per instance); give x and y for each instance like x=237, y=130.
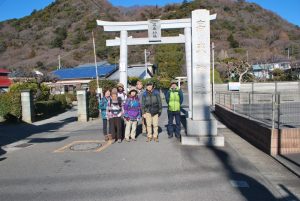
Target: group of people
x=120, y=110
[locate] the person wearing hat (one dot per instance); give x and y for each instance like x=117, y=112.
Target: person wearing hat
x=174, y=98
x=114, y=114
x=121, y=92
x=132, y=113
x=151, y=110
x=141, y=90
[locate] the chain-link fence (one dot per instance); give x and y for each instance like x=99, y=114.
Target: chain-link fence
x=275, y=110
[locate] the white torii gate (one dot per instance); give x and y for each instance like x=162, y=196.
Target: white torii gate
x=201, y=127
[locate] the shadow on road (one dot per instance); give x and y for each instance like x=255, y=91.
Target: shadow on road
x=13, y=133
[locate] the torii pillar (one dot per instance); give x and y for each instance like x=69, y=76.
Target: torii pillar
x=201, y=126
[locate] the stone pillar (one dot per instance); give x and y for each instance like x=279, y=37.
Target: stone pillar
x=202, y=127
x=82, y=102
x=123, y=59
x=27, y=106
x=188, y=63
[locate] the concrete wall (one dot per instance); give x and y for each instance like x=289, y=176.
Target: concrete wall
x=259, y=135
x=269, y=87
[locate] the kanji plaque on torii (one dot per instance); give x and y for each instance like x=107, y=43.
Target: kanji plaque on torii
x=154, y=30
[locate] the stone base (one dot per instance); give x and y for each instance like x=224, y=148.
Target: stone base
x=202, y=128
x=83, y=118
x=217, y=141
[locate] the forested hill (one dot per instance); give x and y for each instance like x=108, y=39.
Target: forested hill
x=64, y=28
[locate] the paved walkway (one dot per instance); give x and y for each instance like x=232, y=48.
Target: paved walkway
x=46, y=169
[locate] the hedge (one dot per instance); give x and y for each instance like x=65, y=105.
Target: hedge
x=104, y=84
x=93, y=105
x=61, y=98
x=47, y=108
x=10, y=106
x=33, y=86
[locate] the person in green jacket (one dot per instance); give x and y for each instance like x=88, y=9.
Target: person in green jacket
x=174, y=98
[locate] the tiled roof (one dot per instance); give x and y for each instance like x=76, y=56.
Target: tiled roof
x=85, y=71
x=5, y=82
x=4, y=71
x=131, y=72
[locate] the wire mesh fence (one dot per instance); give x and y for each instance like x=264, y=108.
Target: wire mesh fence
x=273, y=109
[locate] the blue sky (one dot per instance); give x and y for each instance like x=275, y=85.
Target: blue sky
x=288, y=9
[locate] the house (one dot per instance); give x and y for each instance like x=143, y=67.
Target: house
x=5, y=82
x=135, y=70
x=70, y=79
x=264, y=71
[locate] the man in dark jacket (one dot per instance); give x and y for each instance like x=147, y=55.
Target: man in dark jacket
x=151, y=110
x=174, y=99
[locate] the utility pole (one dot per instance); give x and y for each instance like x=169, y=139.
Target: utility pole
x=146, y=54
x=59, y=63
x=213, y=73
x=96, y=67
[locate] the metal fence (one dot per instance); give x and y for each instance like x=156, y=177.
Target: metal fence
x=273, y=109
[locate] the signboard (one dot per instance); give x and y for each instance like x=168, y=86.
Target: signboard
x=154, y=31
x=234, y=86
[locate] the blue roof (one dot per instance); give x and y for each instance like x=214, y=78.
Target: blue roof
x=86, y=71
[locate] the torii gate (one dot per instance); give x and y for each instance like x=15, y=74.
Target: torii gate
x=201, y=127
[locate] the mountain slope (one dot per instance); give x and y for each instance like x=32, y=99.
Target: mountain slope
x=64, y=28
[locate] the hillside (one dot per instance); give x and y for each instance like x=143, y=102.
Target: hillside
x=64, y=28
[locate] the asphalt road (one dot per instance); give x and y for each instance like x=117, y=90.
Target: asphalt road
x=46, y=169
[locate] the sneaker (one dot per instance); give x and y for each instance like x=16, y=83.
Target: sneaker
x=170, y=136
x=149, y=139
x=127, y=140
x=119, y=140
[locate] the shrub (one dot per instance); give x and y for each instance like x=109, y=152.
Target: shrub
x=10, y=106
x=33, y=86
x=93, y=105
x=62, y=99
x=47, y=108
x=104, y=84
x=70, y=98
x=133, y=80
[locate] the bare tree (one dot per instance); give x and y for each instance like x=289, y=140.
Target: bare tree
x=237, y=68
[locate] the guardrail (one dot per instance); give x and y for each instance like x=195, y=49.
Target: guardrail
x=276, y=110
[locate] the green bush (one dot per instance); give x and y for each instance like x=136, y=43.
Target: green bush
x=33, y=86
x=133, y=80
x=104, y=84
x=62, y=99
x=70, y=98
x=47, y=108
x=93, y=106
x=10, y=106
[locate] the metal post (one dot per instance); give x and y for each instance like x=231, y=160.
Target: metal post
x=188, y=61
x=59, y=63
x=273, y=110
x=213, y=73
x=278, y=111
x=123, y=59
x=249, y=109
x=96, y=67
x=146, y=68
